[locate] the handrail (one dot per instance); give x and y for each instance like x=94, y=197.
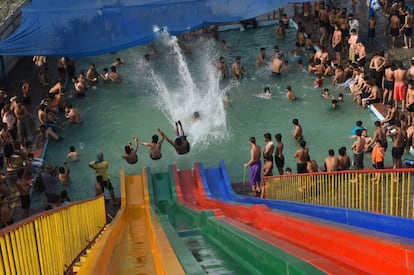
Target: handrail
x=47, y=243
x=386, y=191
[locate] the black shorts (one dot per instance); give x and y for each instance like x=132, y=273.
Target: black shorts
x=389, y=85
x=397, y=152
x=369, y=102
x=359, y=161
x=408, y=31
x=107, y=184
x=345, y=32
x=338, y=48
x=395, y=32
x=8, y=150
x=280, y=162
x=301, y=167
x=25, y=201
x=52, y=197
x=371, y=33
x=378, y=165
x=410, y=107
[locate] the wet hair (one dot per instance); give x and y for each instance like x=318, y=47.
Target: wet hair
x=113, y=69
x=61, y=169
x=302, y=144
x=278, y=137
x=178, y=141
x=105, y=70
x=268, y=136
x=288, y=169
x=252, y=140
x=69, y=105
x=196, y=114
x=359, y=123
x=289, y=87
x=262, y=49
x=127, y=149
x=358, y=132
x=154, y=139
x=340, y=95
x=377, y=123
x=295, y=121
x=300, y=61
x=64, y=195
x=334, y=101
x=266, y=89
x=342, y=151
x=331, y=152
x=72, y=148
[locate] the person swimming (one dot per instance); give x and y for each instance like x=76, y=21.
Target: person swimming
x=196, y=116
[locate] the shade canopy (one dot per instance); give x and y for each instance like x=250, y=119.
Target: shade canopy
x=83, y=28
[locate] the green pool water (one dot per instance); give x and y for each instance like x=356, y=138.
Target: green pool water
x=183, y=83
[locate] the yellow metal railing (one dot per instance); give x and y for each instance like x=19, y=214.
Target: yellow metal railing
x=388, y=192
x=49, y=242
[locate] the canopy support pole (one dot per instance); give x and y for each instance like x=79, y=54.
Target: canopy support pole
x=3, y=70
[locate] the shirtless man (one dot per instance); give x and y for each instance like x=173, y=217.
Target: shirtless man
x=269, y=147
x=331, y=162
x=339, y=76
x=238, y=69
x=388, y=83
x=319, y=68
x=399, y=86
x=92, y=76
x=322, y=54
x=41, y=68
x=79, y=87
x=180, y=144
x=410, y=102
x=379, y=134
x=154, y=146
x=114, y=76
x=261, y=57
x=223, y=69
x=398, y=136
x=277, y=64
x=255, y=165
x=374, y=97
x=358, y=147
x=394, y=29
x=21, y=115
x=280, y=30
x=337, y=44
x=297, y=132
x=23, y=185
x=290, y=94
x=279, y=158
x=73, y=115
x=407, y=29
x=343, y=159
x=410, y=71
x=130, y=154
x=301, y=156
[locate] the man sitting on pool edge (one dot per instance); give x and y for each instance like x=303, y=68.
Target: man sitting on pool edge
x=181, y=144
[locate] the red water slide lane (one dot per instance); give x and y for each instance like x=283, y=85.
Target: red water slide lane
x=369, y=254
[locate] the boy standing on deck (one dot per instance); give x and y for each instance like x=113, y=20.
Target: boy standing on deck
x=255, y=165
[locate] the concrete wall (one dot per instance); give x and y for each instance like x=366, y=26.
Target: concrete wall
x=6, y=29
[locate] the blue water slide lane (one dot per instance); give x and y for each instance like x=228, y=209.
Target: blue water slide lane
x=218, y=186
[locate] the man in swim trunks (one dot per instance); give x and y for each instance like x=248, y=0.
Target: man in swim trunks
x=181, y=144
x=399, y=86
x=279, y=158
x=277, y=64
x=394, y=29
x=238, y=69
x=410, y=102
x=398, y=143
x=301, y=156
x=255, y=165
x=388, y=83
x=407, y=28
x=154, y=146
x=297, y=133
x=24, y=186
x=358, y=147
x=337, y=44
x=269, y=147
x=130, y=154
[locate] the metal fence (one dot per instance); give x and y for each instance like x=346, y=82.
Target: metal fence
x=7, y=7
x=389, y=192
x=49, y=242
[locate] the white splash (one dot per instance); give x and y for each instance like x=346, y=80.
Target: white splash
x=180, y=92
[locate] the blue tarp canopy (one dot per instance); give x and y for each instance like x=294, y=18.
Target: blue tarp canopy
x=91, y=27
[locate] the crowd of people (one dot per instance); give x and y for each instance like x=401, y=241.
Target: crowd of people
x=340, y=54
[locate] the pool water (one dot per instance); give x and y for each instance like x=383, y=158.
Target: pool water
x=179, y=84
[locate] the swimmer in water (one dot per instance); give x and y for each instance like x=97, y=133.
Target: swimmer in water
x=290, y=94
x=297, y=133
x=227, y=99
x=267, y=93
x=196, y=116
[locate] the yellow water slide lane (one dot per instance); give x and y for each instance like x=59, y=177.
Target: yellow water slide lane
x=134, y=242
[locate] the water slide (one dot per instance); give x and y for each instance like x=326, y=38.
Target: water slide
x=134, y=242
x=355, y=250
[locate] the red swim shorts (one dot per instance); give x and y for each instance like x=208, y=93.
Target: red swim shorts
x=399, y=90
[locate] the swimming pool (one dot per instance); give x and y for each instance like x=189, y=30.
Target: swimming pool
x=180, y=86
